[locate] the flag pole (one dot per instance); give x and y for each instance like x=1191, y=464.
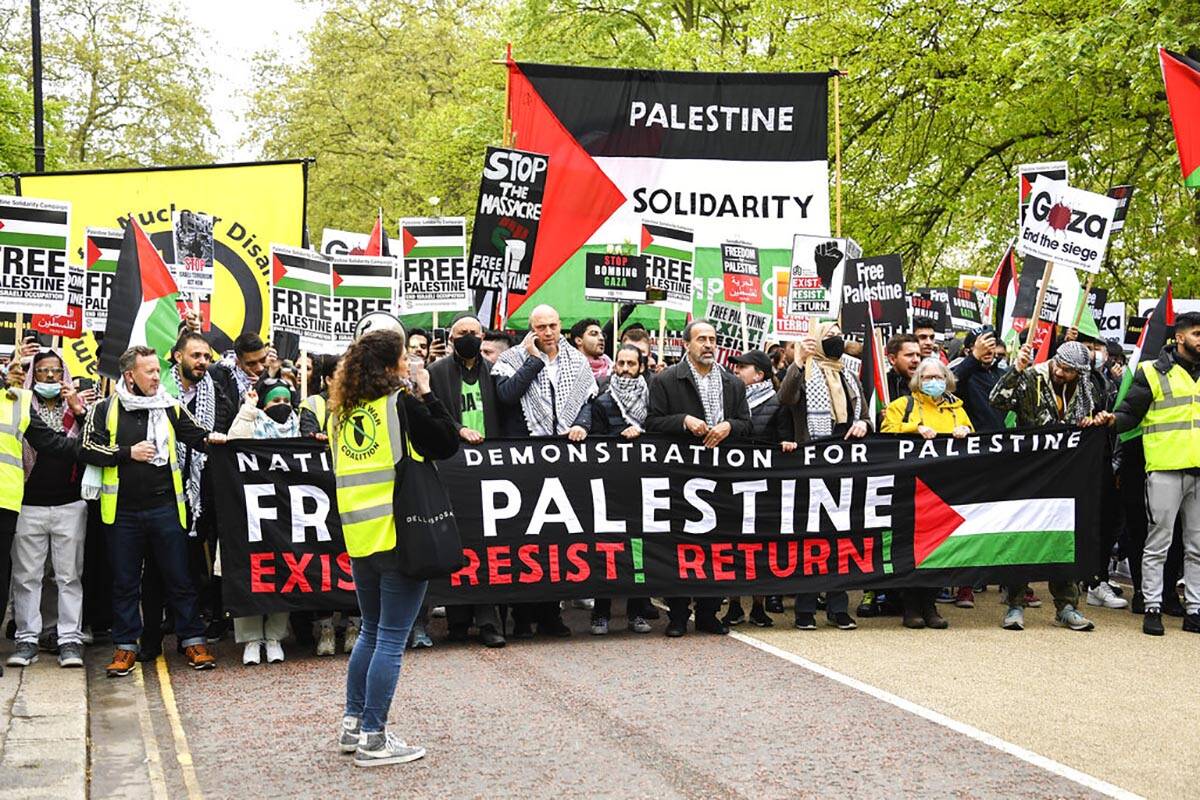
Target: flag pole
x=616, y=323
x=837, y=146
x=1035, y=318
x=303, y=374
x=1087, y=290
x=662, y=331
x=745, y=333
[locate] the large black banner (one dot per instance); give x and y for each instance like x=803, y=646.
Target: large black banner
x=549, y=519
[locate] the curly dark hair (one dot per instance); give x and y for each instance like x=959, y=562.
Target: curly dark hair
x=366, y=372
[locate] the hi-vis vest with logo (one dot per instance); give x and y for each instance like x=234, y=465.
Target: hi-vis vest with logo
x=1171, y=427
x=110, y=482
x=368, y=445
x=319, y=408
x=14, y=419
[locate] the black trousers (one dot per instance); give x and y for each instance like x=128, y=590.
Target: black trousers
x=706, y=608
x=541, y=613
x=634, y=607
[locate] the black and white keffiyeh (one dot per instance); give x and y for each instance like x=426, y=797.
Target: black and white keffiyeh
x=712, y=392
x=632, y=397
x=759, y=393
x=244, y=381
x=551, y=404
x=204, y=416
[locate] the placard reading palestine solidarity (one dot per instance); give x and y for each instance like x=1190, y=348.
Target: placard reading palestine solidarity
x=509, y=210
x=100, y=251
x=878, y=282
x=361, y=285
x=33, y=255
x=669, y=256
x=615, y=278
x=301, y=296
x=1067, y=225
x=433, y=271
x=728, y=322
x=194, y=249
x=739, y=264
x=549, y=520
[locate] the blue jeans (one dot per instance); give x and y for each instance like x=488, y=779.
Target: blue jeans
x=131, y=533
x=389, y=603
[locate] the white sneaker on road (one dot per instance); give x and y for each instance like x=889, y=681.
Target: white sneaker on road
x=252, y=654
x=274, y=652
x=381, y=749
x=1103, y=595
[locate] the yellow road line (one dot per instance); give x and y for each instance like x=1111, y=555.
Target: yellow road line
x=158, y=782
x=182, y=754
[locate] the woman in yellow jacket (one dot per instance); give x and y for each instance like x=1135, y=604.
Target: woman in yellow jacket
x=930, y=410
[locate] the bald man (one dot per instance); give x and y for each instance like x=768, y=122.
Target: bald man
x=545, y=387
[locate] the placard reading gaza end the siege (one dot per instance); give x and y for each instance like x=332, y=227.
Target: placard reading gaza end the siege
x=433, y=271
x=361, y=285
x=670, y=267
x=1067, y=225
x=509, y=210
x=34, y=237
x=301, y=296
x=615, y=278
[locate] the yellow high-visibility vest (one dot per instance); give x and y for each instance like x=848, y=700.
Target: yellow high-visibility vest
x=14, y=419
x=319, y=408
x=109, y=476
x=367, y=444
x=1171, y=427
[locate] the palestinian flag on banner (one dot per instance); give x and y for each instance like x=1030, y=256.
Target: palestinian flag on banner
x=730, y=155
x=101, y=248
x=433, y=238
x=990, y=534
x=377, y=245
x=666, y=241
x=296, y=271
x=23, y=224
x=1181, y=75
x=1158, y=328
x=141, y=308
x=364, y=276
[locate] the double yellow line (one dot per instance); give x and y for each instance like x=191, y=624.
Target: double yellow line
x=183, y=755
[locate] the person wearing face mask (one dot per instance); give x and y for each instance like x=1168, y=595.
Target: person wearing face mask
x=824, y=399
x=133, y=435
x=929, y=410
x=1056, y=392
x=52, y=526
x=463, y=382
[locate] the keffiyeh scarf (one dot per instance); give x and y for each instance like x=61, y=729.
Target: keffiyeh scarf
x=244, y=382
x=631, y=396
x=712, y=392
x=551, y=406
x=759, y=393
x=158, y=426
x=204, y=416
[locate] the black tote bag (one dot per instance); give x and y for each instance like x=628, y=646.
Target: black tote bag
x=427, y=540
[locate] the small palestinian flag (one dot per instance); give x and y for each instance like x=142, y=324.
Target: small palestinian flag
x=101, y=248
x=435, y=237
x=377, y=245
x=364, y=276
x=667, y=241
x=1121, y=194
x=1181, y=75
x=141, y=309
x=300, y=271
x=992, y=534
x=1160, y=323
x=874, y=384
x=26, y=222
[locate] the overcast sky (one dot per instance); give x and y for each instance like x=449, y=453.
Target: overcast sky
x=237, y=30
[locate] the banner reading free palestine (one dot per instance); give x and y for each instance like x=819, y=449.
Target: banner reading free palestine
x=732, y=156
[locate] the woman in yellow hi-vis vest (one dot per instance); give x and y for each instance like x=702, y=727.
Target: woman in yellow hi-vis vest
x=381, y=415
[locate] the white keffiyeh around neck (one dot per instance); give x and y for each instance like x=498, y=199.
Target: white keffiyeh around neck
x=204, y=415
x=158, y=426
x=632, y=397
x=551, y=405
x=759, y=393
x=712, y=392
x=244, y=382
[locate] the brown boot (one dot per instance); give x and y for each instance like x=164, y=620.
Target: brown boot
x=122, y=663
x=198, y=657
x=912, y=609
x=932, y=618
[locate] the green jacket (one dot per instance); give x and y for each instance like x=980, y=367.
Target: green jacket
x=1030, y=394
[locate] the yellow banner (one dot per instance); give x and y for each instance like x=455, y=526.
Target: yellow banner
x=255, y=206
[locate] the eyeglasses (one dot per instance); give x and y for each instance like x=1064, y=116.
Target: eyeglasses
x=48, y=372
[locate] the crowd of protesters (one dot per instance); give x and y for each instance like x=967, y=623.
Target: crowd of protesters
x=107, y=511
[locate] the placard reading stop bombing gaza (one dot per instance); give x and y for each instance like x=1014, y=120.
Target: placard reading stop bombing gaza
x=1067, y=225
x=33, y=255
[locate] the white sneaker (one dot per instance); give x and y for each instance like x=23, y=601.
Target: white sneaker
x=351, y=635
x=1103, y=595
x=274, y=652
x=438, y=612
x=585, y=603
x=381, y=749
x=326, y=639
x=252, y=654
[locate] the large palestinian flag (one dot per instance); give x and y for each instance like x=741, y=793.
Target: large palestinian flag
x=141, y=307
x=1181, y=75
x=731, y=156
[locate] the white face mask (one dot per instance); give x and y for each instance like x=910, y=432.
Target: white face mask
x=1099, y=359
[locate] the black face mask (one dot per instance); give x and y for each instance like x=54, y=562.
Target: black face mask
x=467, y=347
x=280, y=412
x=833, y=347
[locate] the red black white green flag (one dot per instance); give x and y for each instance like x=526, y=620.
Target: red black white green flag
x=1181, y=75
x=729, y=155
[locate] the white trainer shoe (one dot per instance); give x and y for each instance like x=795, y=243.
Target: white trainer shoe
x=274, y=652
x=326, y=638
x=380, y=749
x=1104, y=596
x=252, y=654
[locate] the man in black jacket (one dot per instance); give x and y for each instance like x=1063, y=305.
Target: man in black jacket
x=232, y=377
x=698, y=398
x=132, y=435
x=463, y=382
x=977, y=374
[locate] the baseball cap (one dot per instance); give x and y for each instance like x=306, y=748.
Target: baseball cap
x=755, y=358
